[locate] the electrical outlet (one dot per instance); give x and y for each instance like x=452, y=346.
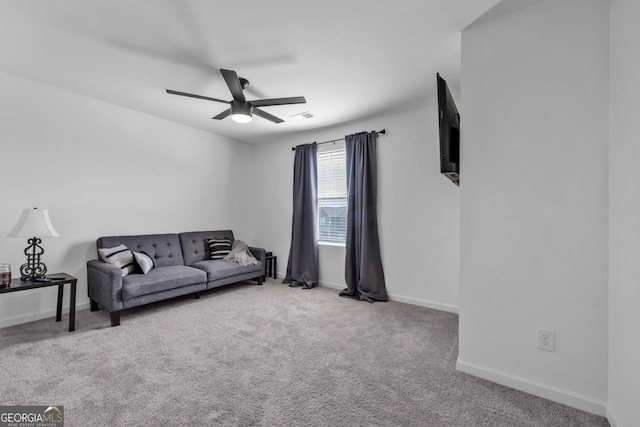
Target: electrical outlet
x=546, y=339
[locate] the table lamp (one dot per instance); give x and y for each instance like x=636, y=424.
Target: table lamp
x=33, y=223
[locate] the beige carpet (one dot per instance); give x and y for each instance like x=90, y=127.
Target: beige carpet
x=248, y=355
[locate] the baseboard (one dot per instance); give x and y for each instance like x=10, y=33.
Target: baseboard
x=424, y=303
x=338, y=286
x=575, y=400
x=30, y=317
x=400, y=298
x=610, y=416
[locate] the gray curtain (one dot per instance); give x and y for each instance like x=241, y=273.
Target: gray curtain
x=303, y=266
x=363, y=264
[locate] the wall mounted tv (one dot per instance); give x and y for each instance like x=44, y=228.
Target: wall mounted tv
x=449, y=121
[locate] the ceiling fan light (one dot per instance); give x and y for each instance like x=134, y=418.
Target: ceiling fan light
x=241, y=117
x=241, y=111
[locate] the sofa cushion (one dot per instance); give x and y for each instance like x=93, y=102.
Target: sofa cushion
x=164, y=249
x=194, y=244
x=161, y=279
x=220, y=269
x=120, y=256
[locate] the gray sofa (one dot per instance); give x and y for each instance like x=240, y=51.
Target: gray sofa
x=181, y=266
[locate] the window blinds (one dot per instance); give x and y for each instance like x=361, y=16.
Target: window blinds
x=332, y=195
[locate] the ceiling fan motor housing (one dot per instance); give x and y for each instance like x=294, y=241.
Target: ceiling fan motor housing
x=241, y=110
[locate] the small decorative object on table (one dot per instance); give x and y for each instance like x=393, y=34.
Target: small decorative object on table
x=5, y=275
x=34, y=222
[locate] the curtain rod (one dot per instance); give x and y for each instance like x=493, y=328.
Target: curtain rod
x=383, y=131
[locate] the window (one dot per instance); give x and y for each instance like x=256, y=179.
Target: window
x=332, y=196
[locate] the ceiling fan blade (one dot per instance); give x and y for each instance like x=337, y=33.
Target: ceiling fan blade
x=265, y=115
x=175, y=92
x=233, y=82
x=225, y=113
x=279, y=101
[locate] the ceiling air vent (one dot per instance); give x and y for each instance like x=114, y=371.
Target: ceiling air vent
x=304, y=115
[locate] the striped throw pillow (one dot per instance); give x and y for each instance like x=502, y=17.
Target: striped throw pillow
x=119, y=256
x=218, y=248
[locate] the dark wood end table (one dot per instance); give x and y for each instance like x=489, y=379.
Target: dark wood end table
x=59, y=280
x=271, y=261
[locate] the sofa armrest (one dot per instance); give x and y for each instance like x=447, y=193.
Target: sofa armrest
x=260, y=255
x=105, y=284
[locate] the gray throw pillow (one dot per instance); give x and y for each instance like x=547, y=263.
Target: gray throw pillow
x=120, y=256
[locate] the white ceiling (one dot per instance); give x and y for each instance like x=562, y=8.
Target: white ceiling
x=351, y=59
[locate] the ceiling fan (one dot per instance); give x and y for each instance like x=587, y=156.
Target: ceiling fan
x=240, y=109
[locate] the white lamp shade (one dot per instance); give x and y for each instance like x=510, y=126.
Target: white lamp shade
x=34, y=223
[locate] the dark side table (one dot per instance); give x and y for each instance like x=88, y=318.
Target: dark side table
x=59, y=280
x=271, y=264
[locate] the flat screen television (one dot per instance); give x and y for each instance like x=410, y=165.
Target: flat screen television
x=449, y=123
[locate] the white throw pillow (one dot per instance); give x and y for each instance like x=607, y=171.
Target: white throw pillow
x=144, y=261
x=120, y=256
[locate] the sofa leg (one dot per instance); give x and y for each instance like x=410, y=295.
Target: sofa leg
x=94, y=305
x=115, y=317
x=197, y=295
x=260, y=280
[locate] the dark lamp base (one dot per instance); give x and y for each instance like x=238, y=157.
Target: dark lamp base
x=34, y=268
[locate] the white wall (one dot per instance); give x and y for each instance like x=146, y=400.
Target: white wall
x=624, y=215
x=534, y=200
x=418, y=208
x=104, y=170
